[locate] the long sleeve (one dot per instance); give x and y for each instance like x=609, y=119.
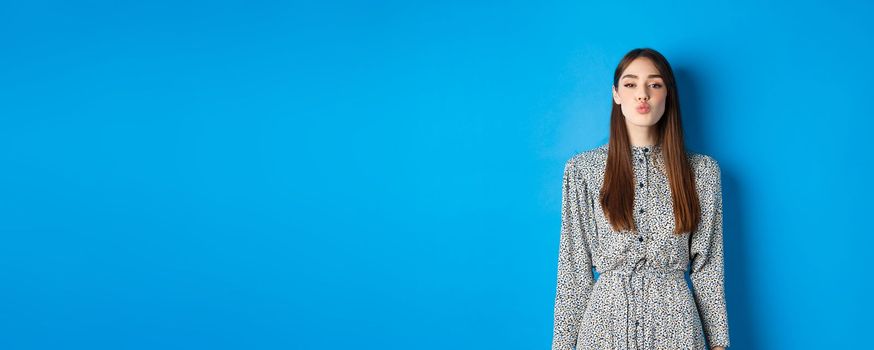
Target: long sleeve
x=575, y=277
x=706, y=254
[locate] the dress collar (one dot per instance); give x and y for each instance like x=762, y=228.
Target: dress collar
x=646, y=149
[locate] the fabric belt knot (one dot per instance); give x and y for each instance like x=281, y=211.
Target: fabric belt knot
x=632, y=287
x=659, y=273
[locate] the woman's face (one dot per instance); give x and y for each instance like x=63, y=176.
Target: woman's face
x=642, y=93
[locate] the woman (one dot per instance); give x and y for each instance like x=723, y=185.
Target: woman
x=639, y=210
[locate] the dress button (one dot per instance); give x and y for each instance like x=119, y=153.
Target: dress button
x=640, y=238
x=636, y=323
x=641, y=210
x=640, y=159
x=646, y=149
x=641, y=185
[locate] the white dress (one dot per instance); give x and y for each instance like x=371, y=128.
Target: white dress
x=640, y=299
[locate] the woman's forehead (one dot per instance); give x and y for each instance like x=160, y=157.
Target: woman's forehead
x=641, y=68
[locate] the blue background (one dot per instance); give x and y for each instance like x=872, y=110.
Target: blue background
x=387, y=175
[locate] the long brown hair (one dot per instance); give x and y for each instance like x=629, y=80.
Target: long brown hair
x=617, y=193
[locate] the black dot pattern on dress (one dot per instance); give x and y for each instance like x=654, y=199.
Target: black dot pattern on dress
x=640, y=299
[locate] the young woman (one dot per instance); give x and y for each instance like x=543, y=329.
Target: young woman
x=639, y=210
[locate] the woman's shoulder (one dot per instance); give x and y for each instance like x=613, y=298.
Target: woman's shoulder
x=586, y=159
x=592, y=154
x=703, y=163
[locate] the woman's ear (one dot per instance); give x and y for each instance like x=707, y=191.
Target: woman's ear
x=616, y=98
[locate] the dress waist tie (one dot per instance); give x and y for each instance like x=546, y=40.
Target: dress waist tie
x=633, y=297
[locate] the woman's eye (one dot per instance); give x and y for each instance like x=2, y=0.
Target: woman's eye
x=655, y=85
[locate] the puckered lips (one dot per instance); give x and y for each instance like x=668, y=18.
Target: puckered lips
x=643, y=108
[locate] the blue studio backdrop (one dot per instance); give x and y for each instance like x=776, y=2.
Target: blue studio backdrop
x=387, y=174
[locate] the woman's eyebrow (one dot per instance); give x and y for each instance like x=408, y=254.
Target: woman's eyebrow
x=634, y=76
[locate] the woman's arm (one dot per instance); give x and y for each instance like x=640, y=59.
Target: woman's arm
x=575, y=277
x=707, y=272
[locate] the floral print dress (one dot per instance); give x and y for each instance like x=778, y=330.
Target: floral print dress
x=641, y=299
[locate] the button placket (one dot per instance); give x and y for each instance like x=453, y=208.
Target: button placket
x=644, y=195
x=645, y=228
